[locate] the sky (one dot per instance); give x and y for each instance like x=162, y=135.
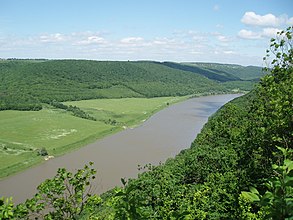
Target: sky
x=221, y=31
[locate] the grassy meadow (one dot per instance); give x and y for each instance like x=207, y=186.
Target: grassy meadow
x=23, y=133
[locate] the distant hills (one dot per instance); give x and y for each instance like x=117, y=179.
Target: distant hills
x=231, y=70
x=26, y=84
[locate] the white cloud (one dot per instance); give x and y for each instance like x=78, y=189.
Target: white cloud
x=186, y=45
x=268, y=20
x=94, y=39
x=270, y=32
x=200, y=37
x=164, y=41
x=264, y=33
x=223, y=38
x=290, y=21
x=195, y=52
x=264, y=26
x=131, y=40
x=159, y=42
x=52, y=38
x=246, y=34
x=228, y=52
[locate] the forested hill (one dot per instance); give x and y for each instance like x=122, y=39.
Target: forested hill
x=230, y=71
x=26, y=84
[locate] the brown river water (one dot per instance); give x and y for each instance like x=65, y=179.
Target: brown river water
x=162, y=136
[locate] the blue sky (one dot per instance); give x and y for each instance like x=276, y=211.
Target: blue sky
x=223, y=31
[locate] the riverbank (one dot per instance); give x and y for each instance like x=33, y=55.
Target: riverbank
x=164, y=135
x=24, y=133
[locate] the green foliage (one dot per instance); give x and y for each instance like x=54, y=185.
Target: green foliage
x=127, y=206
x=235, y=78
x=26, y=85
x=6, y=208
x=42, y=152
x=276, y=91
x=230, y=71
x=23, y=102
x=66, y=196
x=217, y=75
x=76, y=111
x=239, y=86
x=278, y=199
x=271, y=123
x=246, y=209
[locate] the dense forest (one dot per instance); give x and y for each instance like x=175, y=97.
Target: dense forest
x=28, y=84
x=239, y=167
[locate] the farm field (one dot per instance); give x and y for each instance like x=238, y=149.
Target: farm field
x=24, y=133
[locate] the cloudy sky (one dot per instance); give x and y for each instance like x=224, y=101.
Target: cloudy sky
x=224, y=31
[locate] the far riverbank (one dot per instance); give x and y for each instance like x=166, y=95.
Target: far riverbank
x=162, y=136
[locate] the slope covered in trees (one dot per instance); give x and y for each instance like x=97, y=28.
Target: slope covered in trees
x=234, y=72
x=232, y=77
x=26, y=84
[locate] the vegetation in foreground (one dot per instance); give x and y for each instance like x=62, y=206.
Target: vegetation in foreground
x=23, y=134
x=239, y=167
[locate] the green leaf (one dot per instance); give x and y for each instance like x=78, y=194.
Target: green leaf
x=275, y=166
x=123, y=181
x=288, y=181
x=289, y=165
x=120, y=193
x=282, y=149
x=252, y=197
x=268, y=195
x=253, y=190
x=266, y=198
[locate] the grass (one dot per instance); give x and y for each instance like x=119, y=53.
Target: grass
x=23, y=133
x=127, y=112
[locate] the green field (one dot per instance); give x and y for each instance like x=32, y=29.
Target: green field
x=23, y=133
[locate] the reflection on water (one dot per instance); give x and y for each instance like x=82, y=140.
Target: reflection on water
x=162, y=136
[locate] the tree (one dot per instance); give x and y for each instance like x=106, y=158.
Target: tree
x=6, y=208
x=271, y=114
x=277, y=201
x=66, y=196
x=42, y=152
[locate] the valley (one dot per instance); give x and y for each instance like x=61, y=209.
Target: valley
x=24, y=133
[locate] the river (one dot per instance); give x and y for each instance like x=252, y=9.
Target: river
x=117, y=156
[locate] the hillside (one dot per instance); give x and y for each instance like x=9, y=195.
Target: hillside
x=232, y=72
x=232, y=77
x=26, y=84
